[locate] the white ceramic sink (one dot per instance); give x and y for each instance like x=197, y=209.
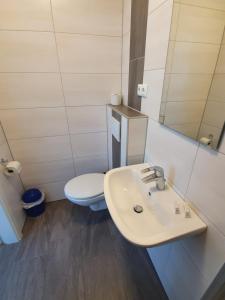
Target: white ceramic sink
x=158, y=223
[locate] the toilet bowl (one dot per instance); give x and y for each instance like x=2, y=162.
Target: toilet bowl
x=87, y=190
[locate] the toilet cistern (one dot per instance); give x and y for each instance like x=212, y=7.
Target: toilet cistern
x=157, y=175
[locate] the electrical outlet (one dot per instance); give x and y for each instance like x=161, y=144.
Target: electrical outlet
x=142, y=90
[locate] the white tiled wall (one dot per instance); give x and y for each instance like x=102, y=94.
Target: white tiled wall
x=126, y=49
x=59, y=63
x=187, y=267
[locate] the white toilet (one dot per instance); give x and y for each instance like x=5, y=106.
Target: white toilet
x=87, y=190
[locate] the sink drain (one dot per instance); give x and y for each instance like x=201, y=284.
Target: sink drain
x=138, y=209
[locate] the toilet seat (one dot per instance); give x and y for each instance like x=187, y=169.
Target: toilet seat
x=85, y=189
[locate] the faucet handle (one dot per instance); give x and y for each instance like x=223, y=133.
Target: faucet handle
x=158, y=170
x=146, y=170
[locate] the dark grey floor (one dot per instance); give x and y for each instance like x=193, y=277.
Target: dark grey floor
x=71, y=253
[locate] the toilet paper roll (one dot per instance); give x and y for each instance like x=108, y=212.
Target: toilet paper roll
x=205, y=141
x=12, y=167
x=115, y=99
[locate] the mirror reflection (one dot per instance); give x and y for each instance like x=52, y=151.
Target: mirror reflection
x=193, y=101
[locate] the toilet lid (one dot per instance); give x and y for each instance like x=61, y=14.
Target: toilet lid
x=85, y=186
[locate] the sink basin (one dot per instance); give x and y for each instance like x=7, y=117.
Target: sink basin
x=144, y=215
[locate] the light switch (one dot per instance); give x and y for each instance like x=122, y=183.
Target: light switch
x=142, y=90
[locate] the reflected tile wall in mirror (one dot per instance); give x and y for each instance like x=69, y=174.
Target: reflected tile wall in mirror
x=193, y=100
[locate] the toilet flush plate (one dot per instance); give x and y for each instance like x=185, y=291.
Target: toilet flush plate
x=145, y=216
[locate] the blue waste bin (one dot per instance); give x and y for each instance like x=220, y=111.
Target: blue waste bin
x=33, y=202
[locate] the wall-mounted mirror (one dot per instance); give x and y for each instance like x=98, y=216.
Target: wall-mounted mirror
x=193, y=100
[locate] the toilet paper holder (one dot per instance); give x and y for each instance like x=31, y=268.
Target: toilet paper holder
x=4, y=161
x=10, y=168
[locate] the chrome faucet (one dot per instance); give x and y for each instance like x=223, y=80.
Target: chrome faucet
x=157, y=175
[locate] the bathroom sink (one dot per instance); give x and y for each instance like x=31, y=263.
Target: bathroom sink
x=144, y=215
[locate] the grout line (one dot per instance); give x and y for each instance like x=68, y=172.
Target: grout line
x=67, y=73
x=157, y=7
x=126, y=32
x=186, y=100
x=192, y=170
x=60, y=32
x=205, y=123
x=48, y=161
x=194, y=42
x=35, y=72
x=156, y=69
x=49, y=107
x=73, y=156
x=52, y=136
x=199, y=6
x=188, y=74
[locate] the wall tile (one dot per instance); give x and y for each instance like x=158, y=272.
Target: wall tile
x=160, y=256
x=91, y=164
x=185, y=274
x=198, y=24
x=215, y=114
x=32, y=108
x=20, y=90
x=221, y=61
x=215, y=4
x=194, y=58
x=153, y=4
x=157, y=37
x=41, y=173
x=85, y=17
x=126, y=53
x=26, y=51
x=75, y=55
x=139, y=15
x=53, y=190
x=217, y=90
x=38, y=122
x=135, y=77
x=174, y=21
x=185, y=87
x=87, y=119
x=207, y=251
x=37, y=150
x=206, y=189
x=126, y=16
x=5, y=153
x=170, y=57
x=173, y=152
x=90, y=89
x=190, y=129
x=151, y=104
x=89, y=144
x=184, y=112
x=25, y=15
x=2, y=136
